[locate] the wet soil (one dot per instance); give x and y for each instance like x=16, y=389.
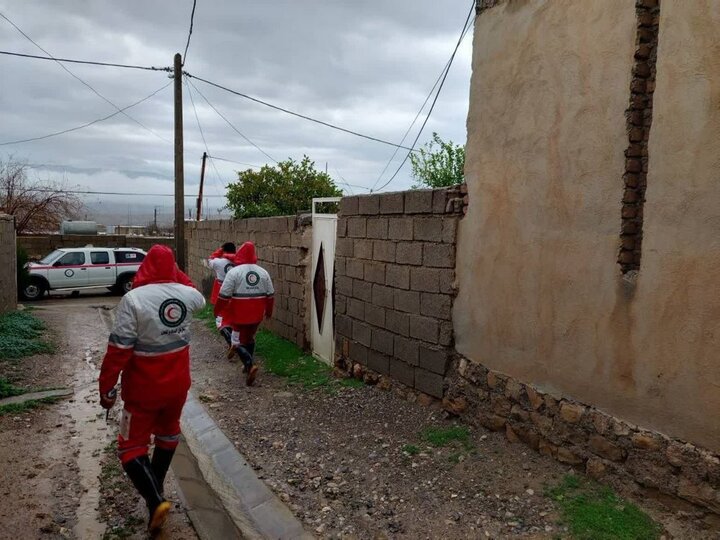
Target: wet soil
x=353, y=463
x=50, y=485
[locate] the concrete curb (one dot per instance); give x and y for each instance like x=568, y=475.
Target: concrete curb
x=22, y=398
x=256, y=511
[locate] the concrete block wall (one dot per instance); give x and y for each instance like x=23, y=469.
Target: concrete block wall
x=283, y=248
x=8, y=270
x=37, y=246
x=395, y=284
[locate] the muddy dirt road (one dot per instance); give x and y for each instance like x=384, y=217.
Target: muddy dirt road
x=52, y=486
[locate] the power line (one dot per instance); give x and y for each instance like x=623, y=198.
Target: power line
x=236, y=130
x=287, y=111
x=233, y=161
x=64, y=131
x=437, y=94
x=192, y=18
x=81, y=80
x=427, y=98
x=89, y=62
x=202, y=134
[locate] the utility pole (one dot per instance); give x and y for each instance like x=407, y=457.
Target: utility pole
x=179, y=172
x=155, y=229
x=202, y=180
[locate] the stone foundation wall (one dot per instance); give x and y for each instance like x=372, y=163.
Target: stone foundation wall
x=8, y=270
x=283, y=248
x=37, y=246
x=583, y=436
x=395, y=284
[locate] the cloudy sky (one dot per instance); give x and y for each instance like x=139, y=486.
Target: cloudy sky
x=366, y=66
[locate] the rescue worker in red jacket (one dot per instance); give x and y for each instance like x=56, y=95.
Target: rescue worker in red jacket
x=246, y=296
x=220, y=261
x=150, y=345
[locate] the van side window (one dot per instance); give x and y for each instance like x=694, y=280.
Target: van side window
x=100, y=257
x=128, y=257
x=72, y=259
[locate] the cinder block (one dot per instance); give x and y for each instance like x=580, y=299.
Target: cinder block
x=439, y=255
x=375, y=272
x=418, y=201
x=363, y=249
x=349, y=206
x=344, y=286
x=362, y=333
x=409, y=253
x=377, y=228
x=375, y=315
x=378, y=362
x=358, y=352
x=428, y=229
x=430, y=383
x=397, y=322
x=434, y=359
x=436, y=305
x=402, y=372
x=343, y=326
x=382, y=296
x=406, y=301
x=397, y=276
x=344, y=247
x=357, y=227
x=425, y=279
x=354, y=268
x=384, y=250
x=424, y=328
x=356, y=309
x=406, y=349
x=400, y=228
x=369, y=205
x=362, y=291
x=446, y=337
x=382, y=341
x=392, y=203
x=440, y=197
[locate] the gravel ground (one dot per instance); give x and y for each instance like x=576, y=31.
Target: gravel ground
x=353, y=463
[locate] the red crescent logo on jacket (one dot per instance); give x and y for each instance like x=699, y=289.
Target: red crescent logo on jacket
x=172, y=312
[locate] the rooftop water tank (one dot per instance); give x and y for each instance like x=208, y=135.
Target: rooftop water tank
x=79, y=227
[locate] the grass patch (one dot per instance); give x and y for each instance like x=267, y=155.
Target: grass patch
x=411, y=449
x=21, y=335
x=285, y=359
x=206, y=315
x=440, y=437
x=15, y=408
x=7, y=389
x=595, y=512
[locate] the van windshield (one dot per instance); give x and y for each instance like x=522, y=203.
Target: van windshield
x=50, y=258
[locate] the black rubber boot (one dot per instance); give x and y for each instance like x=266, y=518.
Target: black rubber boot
x=143, y=478
x=226, y=333
x=160, y=464
x=245, y=356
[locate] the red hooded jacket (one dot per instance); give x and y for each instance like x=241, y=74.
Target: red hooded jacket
x=220, y=262
x=150, y=339
x=246, y=295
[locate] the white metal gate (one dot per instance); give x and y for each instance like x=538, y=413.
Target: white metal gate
x=324, y=233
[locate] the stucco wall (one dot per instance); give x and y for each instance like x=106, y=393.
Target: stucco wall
x=542, y=298
x=8, y=272
x=676, y=311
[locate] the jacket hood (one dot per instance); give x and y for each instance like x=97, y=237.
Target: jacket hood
x=159, y=267
x=246, y=254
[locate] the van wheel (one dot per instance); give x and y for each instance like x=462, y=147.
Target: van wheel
x=34, y=290
x=124, y=285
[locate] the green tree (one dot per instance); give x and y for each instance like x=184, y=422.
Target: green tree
x=280, y=190
x=438, y=164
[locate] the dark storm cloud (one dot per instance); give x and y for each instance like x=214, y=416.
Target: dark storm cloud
x=365, y=65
